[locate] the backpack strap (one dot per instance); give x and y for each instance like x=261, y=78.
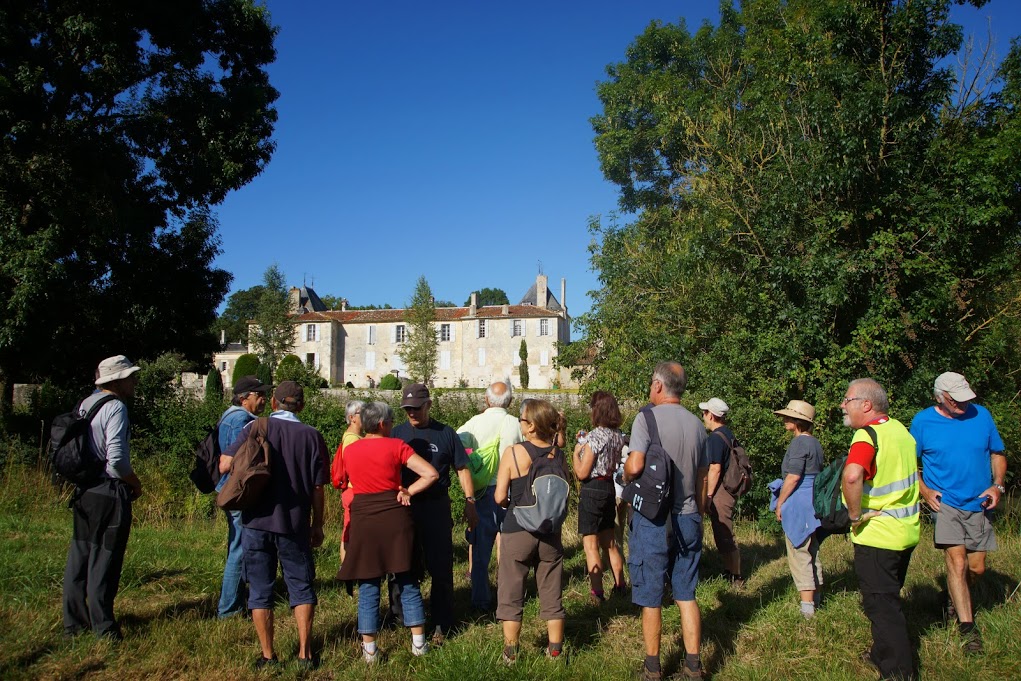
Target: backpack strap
x=730, y=455
x=94, y=409
x=650, y=425
x=872, y=434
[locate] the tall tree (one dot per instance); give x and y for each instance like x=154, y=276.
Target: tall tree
x=813, y=204
x=242, y=307
x=120, y=123
x=272, y=335
x=489, y=296
x=523, y=366
x=419, y=350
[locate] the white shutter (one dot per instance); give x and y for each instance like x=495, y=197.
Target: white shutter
x=482, y=357
x=371, y=334
x=445, y=359
x=452, y=327
x=370, y=360
x=544, y=358
x=393, y=333
x=517, y=360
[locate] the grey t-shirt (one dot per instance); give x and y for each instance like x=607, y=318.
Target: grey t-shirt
x=803, y=457
x=683, y=437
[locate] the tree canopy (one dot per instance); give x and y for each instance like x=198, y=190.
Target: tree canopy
x=817, y=197
x=272, y=335
x=120, y=124
x=242, y=306
x=419, y=350
x=489, y=296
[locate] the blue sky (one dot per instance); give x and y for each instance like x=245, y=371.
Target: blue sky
x=447, y=139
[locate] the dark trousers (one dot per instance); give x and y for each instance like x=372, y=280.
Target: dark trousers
x=881, y=574
x=102, y=523
x=435, y=546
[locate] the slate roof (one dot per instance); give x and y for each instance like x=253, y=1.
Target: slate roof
x=309, y=300
x=551, y=300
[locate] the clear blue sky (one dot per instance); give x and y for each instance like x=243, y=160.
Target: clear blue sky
x=448, y=139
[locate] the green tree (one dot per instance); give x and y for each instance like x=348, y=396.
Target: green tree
x=242, y=306
x=812, y=203
x=272, y=335
x=523, y=367
x=419, y=350
x=390, y=382
x=214, y=386
x=291, y=368
x=247, y=365
x=120, y=124
x=489, y=296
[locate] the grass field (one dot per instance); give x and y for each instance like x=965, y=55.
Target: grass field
x=170, y=586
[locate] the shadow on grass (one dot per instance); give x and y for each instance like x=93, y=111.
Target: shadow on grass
x=204, y=607
x=21, y=662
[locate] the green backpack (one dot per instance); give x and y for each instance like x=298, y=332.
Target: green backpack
x=829, y=506
x=482, y=460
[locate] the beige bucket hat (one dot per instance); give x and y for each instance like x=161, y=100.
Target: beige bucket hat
x=799, y=410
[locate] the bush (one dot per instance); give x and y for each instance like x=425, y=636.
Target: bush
x=390, y=382
x=264, y=374
x=247, y=365
x=214, y=386
x=291, y=368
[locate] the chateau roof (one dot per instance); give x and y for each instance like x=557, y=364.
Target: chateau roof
x=530, y=299
x=443, y=314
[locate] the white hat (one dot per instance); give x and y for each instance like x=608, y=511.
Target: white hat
x=954, y=385
x=715, y=406
x=115, y=368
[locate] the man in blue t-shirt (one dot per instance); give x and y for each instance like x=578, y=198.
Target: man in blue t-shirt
x=963, y=468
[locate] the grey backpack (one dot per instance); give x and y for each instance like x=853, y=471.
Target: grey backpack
x=543, y=509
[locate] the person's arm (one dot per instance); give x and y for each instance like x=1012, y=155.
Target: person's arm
x=471, y=515
x=227, y=456
x=316, y=536
x=427, y=475
x=931, y=496
x=702, y=489
x=713, y=478
x=852, y=485
x=584, y=459
x=500, y=495
x=118, y=448
x=999, y=466
x=790, y=483
x=634, y=465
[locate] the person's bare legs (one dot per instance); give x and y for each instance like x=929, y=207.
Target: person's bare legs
x=957, y=581
x=511, y=633
x=652, y=624
x=263, y=619
x=608, y=541
x=691, y=626
x=303, y=616
x=554, y=631
x=976, y=566
x=593, y=562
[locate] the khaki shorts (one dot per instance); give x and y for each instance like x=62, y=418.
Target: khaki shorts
x=804, y=563
x=970, y=529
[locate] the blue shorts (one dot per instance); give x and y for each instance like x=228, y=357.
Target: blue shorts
x=653, y=557
x=262, y=552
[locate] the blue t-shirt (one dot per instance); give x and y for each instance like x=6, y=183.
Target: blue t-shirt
x=954, y=453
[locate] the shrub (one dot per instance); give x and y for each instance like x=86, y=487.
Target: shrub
x=214, y=386
x=264, y=374
x=291, y=368
x=247, y=365
x=390, y=382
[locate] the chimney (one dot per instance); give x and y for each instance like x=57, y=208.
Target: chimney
x=541, y=291
x=343, y=304
x=294, y=301
x=505, y=310
x=473, y=308
x=563, y=294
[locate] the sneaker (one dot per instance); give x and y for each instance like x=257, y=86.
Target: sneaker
x=510, y=656
x=647, y=675
x=559, y=655
x=369, y=658
x=807, y=610
x=266, y=662
x=689, y=673
x=972, y=642
x=596, y=597
x=419, y=651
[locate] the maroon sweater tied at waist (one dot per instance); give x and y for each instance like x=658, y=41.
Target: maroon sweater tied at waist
x=382, y=537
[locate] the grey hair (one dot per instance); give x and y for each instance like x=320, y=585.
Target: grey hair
x=354, y=407
x=939, y=395
x=672, y=376
x=873, y=392
x=374, y=413
x=503, y=401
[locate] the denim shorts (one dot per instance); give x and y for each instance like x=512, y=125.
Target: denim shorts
x=654, y=556
x=263, y=550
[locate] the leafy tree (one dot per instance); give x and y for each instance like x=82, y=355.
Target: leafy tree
x=390, y=382
x=214, y=386
x=385, y=306
x=264, y=374
x=272, y=336
x=291, y=368
x=813, y=203
x=489, y=296
x=242, y=306
x=247, y=365
x=331, y=302
x=523, y=367
x=419, y=350
x=120, y=124
x=445, y=303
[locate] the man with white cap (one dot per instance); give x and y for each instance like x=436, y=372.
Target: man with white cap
x=102, y=513
x=963, y=468
x=721, y=502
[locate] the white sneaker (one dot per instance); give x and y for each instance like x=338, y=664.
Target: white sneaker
x=369, y=658
x=418, y=651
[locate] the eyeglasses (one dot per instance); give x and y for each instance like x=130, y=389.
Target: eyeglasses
x=850, y=399
x=524, y=421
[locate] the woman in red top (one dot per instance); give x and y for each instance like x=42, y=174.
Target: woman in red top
x=381, y=531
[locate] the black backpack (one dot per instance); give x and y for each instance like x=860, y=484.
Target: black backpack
x=205, y=472
x=71, y=455
x=829, y=507
x=649, y=493
x=543, y=508
x=738, y=478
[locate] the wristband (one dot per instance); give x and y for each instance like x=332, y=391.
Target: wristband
x=469, y=500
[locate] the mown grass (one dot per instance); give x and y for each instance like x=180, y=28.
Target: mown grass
x=168, y=597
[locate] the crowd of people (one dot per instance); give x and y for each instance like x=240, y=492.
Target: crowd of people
x=398, y=525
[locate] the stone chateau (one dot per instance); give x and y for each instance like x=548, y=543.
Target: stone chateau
x=476, y=345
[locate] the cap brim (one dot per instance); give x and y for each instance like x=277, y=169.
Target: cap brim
x=962, y=395
x=414, y=402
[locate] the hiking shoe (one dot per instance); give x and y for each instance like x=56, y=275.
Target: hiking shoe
x=438, y=638
x=972, y=642
x=370, y=658
x=647, y=675
x=557, y=655
x=510, y=656
x=267, y=662
x=689, y=673
x=419, y=651
x=596, y=597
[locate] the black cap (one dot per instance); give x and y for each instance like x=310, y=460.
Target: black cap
x=250, y=384
x=290, y=392
x=414, y=396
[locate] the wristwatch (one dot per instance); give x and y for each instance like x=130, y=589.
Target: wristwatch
x=1003, y=490
x=855, y=521
x=469, y=500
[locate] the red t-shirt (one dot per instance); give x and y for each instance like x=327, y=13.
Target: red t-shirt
x=373, y=464
x=864, y=454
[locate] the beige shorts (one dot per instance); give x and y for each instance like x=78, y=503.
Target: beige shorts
x=970, y=529
x=804, y=563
